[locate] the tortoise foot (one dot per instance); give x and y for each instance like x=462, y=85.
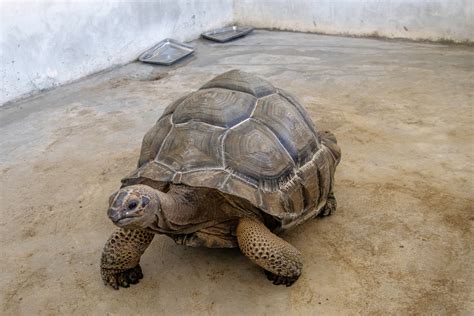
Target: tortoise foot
x=118, y=278
x=330, y=206
x=279, y=279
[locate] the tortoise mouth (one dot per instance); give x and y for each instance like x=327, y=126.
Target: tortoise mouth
x=123, y=221
x=122, y=218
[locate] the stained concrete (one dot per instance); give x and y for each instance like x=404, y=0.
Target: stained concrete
x=399, y=243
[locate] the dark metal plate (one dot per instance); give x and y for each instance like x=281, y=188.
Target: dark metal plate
x=166, y=52
x=227, y=33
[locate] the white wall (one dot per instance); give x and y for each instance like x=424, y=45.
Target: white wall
x=451, y=20
x=47, y=43
x=51, y=42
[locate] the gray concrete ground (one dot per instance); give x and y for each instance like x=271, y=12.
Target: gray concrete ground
x=400, y=242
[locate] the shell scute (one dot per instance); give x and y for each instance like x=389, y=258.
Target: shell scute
x=191, y=146
x=153, y=139
x=246, y=191
x=218, y=107
x=241, y=81
x=287, y=123
x=252, y=150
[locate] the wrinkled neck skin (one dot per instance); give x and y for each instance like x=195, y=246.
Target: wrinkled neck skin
x=176, y=208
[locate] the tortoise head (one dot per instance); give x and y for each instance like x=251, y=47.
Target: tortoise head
x=133, y=206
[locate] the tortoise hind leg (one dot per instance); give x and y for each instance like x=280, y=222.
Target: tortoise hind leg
x=282, y=262
x=330, y=206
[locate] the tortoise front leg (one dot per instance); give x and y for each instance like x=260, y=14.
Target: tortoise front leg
x=282, y=262
x=119, y=264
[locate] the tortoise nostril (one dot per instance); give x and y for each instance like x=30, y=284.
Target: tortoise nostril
x=113, y=214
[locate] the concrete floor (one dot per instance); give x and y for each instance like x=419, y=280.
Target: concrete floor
x=400, y=242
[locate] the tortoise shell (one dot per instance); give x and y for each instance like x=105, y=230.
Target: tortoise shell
x=243, y=137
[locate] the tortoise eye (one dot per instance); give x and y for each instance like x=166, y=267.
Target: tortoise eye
x=132, y=205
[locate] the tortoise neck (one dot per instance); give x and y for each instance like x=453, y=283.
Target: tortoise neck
x=179, y=197
x=177, y=205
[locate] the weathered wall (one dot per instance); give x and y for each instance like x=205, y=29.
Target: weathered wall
x=451, y=20
x=46, y=43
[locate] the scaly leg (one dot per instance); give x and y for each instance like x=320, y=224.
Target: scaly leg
x=282, y=262
x=119, y=265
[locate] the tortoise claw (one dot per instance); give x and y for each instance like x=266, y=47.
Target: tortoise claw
x=279, y=279
x=123, y=278
x=330, y=207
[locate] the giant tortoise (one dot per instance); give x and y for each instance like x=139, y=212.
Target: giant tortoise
x=230, y=165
